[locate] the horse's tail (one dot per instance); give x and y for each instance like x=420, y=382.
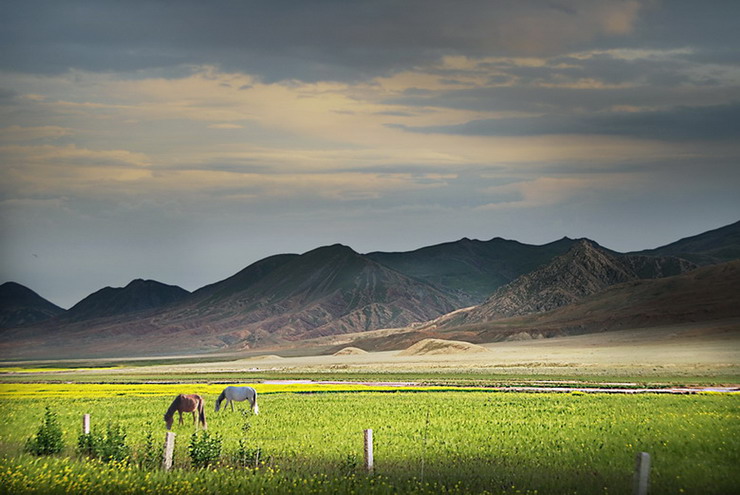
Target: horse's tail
x=255, y=406
x=220, y=399
x=202, y=412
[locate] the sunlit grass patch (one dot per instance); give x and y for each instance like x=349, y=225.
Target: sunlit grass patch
x=466, y=442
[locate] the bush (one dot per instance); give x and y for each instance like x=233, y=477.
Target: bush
x=107, y=447
x=151, y=457
x=204, y=449
x=245, y=456
x=48, y=439
x=349, y=464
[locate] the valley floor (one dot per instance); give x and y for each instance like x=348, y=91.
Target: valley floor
x=691, y=353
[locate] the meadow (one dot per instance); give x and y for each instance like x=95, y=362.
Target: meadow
x=427, y=440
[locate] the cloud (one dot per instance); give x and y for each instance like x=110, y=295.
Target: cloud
x=15, y=133
x=716, y=122
x=310, y=41
x=47, y=171
x=225, y=126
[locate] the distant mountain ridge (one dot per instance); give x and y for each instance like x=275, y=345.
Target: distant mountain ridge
x=709, y=248
x=472, y=269
x=707, y=296
x=328, y=290
x=285, y=299
x=138, y=295
x=584, y=270
x=20, y=305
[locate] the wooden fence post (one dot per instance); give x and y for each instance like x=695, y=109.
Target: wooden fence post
x=85, y=424
x=369, y=451
x=642, y=474
x=169, y=450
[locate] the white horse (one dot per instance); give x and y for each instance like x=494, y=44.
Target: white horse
x=232, y=394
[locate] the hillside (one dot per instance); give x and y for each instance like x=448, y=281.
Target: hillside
x=712, y=247
x=138, y=295
x=287, y=298
x=472, y=269
x=20, y=305
x=704, y=294
x=584, y=270
x=325, y=291
x=699, y=296
x=284, y=300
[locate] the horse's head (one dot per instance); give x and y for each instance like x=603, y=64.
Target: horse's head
x=219, y=400
x=168, y=420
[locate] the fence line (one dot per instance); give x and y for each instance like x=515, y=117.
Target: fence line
x=641, y=478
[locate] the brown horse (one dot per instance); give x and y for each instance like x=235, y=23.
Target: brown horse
x=186, y=403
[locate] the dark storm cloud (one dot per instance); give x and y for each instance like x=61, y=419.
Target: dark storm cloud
x=716, y=122
x=687, y=23
x=320, y=39
x=328, y=38
x=604, y=67
x=295, y=39
x=7, y=95
x=556, y=99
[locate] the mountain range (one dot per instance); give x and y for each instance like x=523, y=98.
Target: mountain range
x=287, y=300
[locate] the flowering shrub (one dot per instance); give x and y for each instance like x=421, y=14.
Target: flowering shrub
x=48, y=440
x=204, y=449
x=107, y=447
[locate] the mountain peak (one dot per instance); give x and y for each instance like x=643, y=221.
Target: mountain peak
x=335, y=247
x=585, y=269
x=138, y=295
x=19, y=305
x=332, y=250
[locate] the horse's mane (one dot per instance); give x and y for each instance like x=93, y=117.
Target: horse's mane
x=220, y=399
x=173, y=407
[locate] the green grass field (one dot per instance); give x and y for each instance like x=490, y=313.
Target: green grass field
x=425, y=442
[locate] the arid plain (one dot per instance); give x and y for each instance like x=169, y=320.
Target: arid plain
x=706, y=352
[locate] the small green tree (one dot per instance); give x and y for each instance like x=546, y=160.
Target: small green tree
x=107, y=447
x=245, y=455
x=204, y=449
x=48, y=440
x=151, y=457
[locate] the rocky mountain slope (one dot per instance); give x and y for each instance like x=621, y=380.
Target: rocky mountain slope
x=139, y=295
x=711, y=247
x=584, y=270
x=472, y=269
x=707, y=294
x=285, y=298
x=20, y=305
x=325, y=291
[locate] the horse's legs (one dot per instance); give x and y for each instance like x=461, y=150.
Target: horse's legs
x=180, y=413
x=232, y=405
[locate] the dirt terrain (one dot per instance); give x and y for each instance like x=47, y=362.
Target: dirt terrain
x=691, y=350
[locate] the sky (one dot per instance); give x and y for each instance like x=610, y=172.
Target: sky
x=182, y=141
